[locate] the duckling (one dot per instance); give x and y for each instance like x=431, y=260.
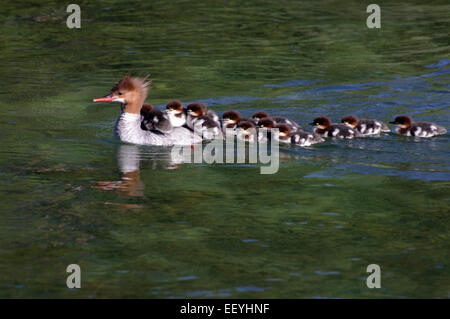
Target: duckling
x=300, y=138
x=325, y=128
x=213, y=115
x=283, y=135
x=365, y=126
x=303, y=138
x=155, y=120
x=406, y=126
x=193, y=111
x=177, y=113
x=265, y=125
x=259, y=115
x=266, y=122
x=207, y=127
x=146, y=108
x=293, y=126
x=231, y=119
x=246, y=131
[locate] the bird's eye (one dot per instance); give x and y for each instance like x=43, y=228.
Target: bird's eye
x=120, y=93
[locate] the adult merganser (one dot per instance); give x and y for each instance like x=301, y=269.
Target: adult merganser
x=365, y=126
x=407, y=127
x=325, y=128
x=177, y=113
x=131, y=93
x=293, y=126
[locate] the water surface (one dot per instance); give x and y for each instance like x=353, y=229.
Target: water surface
x=165, y=229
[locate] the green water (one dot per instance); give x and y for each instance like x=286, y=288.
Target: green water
x=223, y=230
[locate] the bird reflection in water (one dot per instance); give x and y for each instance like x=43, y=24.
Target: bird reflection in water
x=129, y=158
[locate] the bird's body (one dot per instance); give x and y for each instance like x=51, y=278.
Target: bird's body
x=365, y=127
x=406, y=126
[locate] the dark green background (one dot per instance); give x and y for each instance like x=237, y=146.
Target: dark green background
x=308, y=231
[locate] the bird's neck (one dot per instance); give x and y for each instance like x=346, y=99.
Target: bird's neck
x=134, y=103
x=133, y=107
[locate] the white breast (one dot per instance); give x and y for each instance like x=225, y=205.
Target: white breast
x=177, y=121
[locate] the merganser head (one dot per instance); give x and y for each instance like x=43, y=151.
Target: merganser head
x=321, y=122
x=266, y=123
x=283, y=131
x=196, y=109
x=259, y=115
x=350, y=120
x=402, y=121
x=146, y=108
x=246, y=131
x=246, y=125
x=230, y=118
x=175, y=107
x=131, y=92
